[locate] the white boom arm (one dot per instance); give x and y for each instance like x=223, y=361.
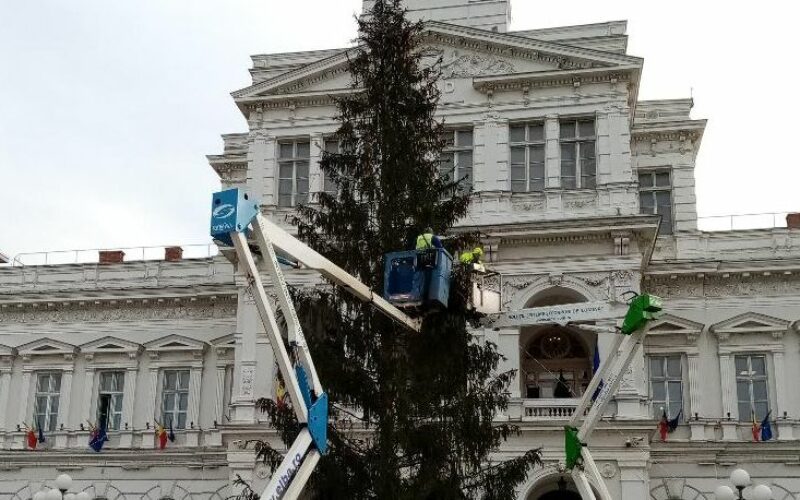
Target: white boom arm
x=232, y=213
x=616, y=363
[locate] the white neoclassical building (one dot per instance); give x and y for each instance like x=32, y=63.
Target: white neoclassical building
x=584, y=193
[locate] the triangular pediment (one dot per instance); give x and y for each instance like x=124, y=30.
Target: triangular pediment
x=175, y=343
x=46, y=347
x=225, y=342
x=669, y=324
x=465, y=52
x=110, y=345
x=750, y=323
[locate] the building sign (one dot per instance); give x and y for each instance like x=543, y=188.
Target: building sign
x=560, y=315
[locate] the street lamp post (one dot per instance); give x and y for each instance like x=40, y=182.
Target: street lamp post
x=63, y=483
x=740, y=478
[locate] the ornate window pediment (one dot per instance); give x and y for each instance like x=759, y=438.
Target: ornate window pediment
x=47, y=347
x=750, y=323
x=175, y=344
x=669, y=324
x=224, y=345
x=111, y=345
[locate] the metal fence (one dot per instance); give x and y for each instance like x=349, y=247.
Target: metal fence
x=198, y=251
x=742, y=221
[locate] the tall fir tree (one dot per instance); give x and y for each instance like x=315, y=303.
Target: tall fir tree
x=412, y=414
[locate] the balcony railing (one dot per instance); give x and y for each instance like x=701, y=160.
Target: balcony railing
x=542, y=409
x=197, y=251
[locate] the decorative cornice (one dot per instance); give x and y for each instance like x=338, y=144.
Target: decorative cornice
x=223, y=306
x=722, y=284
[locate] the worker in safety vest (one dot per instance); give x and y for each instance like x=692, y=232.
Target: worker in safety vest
x=474, y=259
x=428, y=240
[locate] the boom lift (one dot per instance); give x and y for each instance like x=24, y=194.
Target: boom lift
x=641, y=310
x=233, y=215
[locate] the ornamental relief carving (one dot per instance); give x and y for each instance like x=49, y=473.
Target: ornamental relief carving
x=475, y=65
x=599, y=284
x=717, y=286
x=131, y=313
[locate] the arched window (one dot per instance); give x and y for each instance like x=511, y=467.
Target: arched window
x=555, y=363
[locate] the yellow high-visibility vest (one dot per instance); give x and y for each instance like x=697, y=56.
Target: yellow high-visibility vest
x=425, y=241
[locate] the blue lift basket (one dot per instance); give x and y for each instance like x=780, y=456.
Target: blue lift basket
x=417, y=277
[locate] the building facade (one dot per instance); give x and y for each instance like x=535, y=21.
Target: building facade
x=584, y=193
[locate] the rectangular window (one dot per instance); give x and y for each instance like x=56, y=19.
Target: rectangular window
x=48, y=392
x=666, y=385
x=293, y=158
x=578, y=154
x=175, y=398
x=109, y=399
x=655, y=196
x=751, y=387
x=527, y=157
x=455, y=163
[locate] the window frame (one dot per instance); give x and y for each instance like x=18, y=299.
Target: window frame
x=114, y=416
x=749, y=379
x=653, y=189
x=50, y=417
x=457, y=151
x=577, y=141
x=173, y=415
x=528, y=144
x=295, y=196
x=665, y=379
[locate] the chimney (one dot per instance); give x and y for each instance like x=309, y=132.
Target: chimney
x=793, y=220
x=112, y=256
x=173, y=254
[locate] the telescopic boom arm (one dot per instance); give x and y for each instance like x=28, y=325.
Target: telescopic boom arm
x=233, y=215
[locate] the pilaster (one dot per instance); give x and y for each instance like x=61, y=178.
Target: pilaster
x=695, y=386
x=219, y=394
x=195, y=378
x=5, y=385
x=727, y=381
x=508, y=343
x=24, y=395
x=781, y=403
x=552, y=162
x=248, y=325
x=634, y=481
x=149, y=413
x=64, y=401
x=314, y=171
x=86, y=398
x=128, y=395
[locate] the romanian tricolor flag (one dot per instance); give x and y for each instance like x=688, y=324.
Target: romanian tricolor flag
x=30, y=437
x=161, y=435
x=280, y=392
x=756, y=428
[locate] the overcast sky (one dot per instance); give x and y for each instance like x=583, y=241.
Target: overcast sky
x=108, y=108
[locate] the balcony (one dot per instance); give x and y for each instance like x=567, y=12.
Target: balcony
x=542, y=409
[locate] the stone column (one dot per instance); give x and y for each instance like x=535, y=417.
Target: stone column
x=86, y=399
x=24, y=396
x=260, y=166
x=5, y=384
